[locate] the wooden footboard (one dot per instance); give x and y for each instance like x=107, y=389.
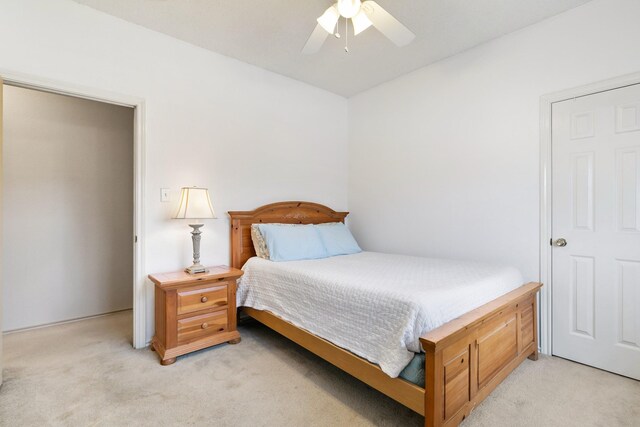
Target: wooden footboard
x=469, y=356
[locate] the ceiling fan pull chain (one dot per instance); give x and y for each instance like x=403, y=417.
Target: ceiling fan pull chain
x=346, y=35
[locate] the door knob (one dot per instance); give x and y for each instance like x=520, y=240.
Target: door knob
x=561, y=242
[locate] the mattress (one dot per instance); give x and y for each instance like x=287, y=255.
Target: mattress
x=374, y=305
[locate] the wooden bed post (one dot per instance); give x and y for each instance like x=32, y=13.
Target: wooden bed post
x=534, y=355
x=434, y=382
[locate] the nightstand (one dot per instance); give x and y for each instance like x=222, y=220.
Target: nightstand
x=194, y=311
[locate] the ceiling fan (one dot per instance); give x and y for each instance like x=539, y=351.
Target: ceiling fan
x=363, y=14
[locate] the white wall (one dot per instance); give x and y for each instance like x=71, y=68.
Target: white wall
x=68, y=205
x=250, y=136
x=444, y=161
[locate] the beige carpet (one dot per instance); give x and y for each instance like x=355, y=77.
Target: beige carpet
x=86, y=374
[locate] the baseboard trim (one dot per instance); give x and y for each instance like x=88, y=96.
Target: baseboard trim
x=63, y=322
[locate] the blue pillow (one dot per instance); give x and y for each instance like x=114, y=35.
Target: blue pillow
x=337, y=239
x=287, y=242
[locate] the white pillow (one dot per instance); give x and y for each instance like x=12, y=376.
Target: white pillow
x=259, y=244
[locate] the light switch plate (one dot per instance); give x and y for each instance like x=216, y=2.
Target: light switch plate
x=164, y=195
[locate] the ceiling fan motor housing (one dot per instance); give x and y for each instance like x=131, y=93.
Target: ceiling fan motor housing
x=349, y=8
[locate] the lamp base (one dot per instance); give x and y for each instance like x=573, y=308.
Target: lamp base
x=196, y=269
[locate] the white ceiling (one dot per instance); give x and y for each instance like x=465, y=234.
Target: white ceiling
x=271, y=33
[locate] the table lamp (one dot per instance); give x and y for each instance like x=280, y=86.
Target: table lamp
x=195, y=204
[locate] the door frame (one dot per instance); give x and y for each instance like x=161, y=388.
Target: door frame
x=139, y=176
x=546, y=103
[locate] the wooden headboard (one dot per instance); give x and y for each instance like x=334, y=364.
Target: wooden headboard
x=282, y=212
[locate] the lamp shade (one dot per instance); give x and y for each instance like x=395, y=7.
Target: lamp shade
x=195, y=204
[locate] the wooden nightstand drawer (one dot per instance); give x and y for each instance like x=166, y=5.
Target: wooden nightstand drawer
x=193, y=328
x=191, y=300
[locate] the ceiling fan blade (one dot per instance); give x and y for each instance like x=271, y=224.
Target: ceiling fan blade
x=387, y=24
x=316, y=40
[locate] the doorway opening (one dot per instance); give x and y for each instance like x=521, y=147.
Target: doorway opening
x=83, y=221
x=68, y=208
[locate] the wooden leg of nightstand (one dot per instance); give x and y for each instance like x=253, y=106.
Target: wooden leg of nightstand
x=235, y=341
x=166, y=362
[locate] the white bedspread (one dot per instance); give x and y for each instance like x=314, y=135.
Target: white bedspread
x=374, y=305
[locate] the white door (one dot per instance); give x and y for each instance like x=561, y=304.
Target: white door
x=1, y=114
x=596, y=230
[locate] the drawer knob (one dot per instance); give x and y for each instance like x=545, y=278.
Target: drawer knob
x=204, y=299
x=205, y=325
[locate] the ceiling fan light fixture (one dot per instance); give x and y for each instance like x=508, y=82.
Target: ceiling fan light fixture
x=360, y=23
x=363, y=14
x=349, y=8
x=329, y=19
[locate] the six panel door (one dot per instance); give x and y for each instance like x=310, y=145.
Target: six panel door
x=596, y=210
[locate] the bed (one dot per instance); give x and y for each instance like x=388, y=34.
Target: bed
x=474, y=339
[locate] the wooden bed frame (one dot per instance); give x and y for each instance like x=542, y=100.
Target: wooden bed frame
x=466, y=358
